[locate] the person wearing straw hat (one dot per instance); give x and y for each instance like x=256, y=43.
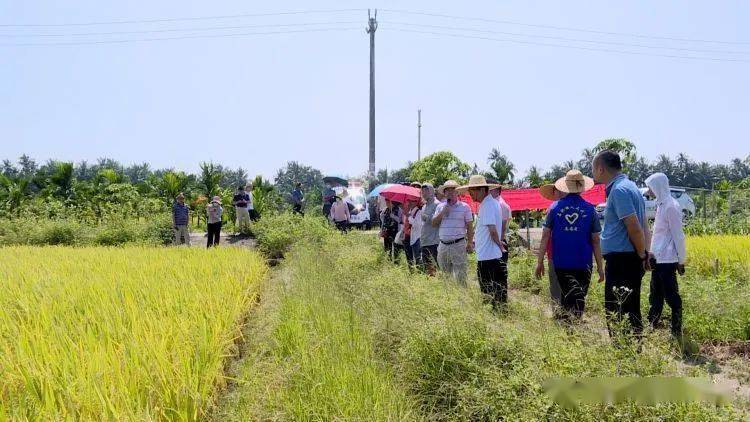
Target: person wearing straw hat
x=492, y=271
x=214, y=212
x=573, y=226
x=456, y=233
x=549, y=192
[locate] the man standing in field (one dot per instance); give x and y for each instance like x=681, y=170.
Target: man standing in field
x=668, y=254
x=505, y=213
x=298, y=199
x=623, y=241
x=251, y=211
x=491, y=269
x=340, y=214
x=429, y=238
x=573, y=227
x=456, y=233
x=240, y=201
x=180, y=218
x=214, y=212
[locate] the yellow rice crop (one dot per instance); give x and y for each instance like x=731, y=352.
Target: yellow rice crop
x=730, y=255
x=127, y=333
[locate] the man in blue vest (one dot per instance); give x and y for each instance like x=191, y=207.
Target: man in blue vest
x=574, y=228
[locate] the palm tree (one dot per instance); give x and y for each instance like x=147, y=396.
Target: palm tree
x=504, y=170
x=13, y=193
x=210, y=178
x=533, y=177
x=62, y=180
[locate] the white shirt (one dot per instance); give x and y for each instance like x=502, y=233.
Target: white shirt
x=489, y=215
x=415, y=219
x=250, y=202
x=505, y=212
x=668, y=239
x=453, y=225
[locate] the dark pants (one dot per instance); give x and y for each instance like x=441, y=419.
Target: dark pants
x=408, y=250
x=254, y=215
x=391, y=248
x=622, y=289
x=493, y=280
x=297, y=209
x=326, y=210
x=416, y=253
x=664, y=287
x=506, y=253
x=214, y=232
x=574, y=285
x=429, y=258
x=343, y=226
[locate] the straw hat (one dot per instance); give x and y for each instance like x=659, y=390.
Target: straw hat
x=574, y=182
x=448, y=185
x=477, y=181
x=548, y=191
x=216, y=199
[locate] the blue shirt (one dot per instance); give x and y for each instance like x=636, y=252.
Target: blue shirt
x=180, y=213
x=572, y=221
x=623, y=199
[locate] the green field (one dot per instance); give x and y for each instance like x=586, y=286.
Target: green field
x=336, y=332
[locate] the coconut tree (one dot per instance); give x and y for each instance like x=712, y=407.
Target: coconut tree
x=503, y=170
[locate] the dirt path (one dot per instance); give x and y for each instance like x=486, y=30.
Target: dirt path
x=725, y=363
x=198, y=239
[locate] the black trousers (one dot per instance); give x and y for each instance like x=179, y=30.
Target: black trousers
x=574, y=286
x=343, y=226
x=408, y=251
x=664, y=287
x=297, y=209
x=493, y=280
x=623, y=273
x=214, y=233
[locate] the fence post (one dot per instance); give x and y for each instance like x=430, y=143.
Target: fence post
x=528, y=232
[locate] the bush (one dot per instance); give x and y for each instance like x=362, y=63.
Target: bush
x=277, y=233
x=57, y=232
x=736, y=224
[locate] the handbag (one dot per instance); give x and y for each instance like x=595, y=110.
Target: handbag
x=399, y=240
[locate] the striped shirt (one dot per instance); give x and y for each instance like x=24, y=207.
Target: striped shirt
x=180, y=214
x=453, y=225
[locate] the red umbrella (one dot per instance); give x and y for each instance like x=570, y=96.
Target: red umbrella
x=401, y=193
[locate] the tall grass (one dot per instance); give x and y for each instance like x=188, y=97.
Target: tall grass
x=128, y=333
x=352, y=337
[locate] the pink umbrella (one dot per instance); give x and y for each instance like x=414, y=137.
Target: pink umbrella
x=401, y=193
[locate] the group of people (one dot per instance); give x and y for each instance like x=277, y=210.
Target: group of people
x=244, y=211
x=438, y=231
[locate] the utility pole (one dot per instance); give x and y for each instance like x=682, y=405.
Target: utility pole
x=372, y=26
x=419, y=134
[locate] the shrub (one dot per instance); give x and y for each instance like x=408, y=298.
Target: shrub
x=277, y=233
x=57, y=232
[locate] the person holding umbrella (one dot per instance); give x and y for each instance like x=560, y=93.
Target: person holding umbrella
x=389, y=223
x=456, y=232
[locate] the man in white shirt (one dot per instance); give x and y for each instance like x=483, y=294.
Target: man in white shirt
x=456, y=233
x=505, y=213
x=491, y=269
x=668, y=254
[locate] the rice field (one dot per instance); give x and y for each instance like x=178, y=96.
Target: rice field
x=120, y=333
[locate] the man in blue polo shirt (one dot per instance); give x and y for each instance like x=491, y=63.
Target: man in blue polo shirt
x=623, y=239
x=573, y=226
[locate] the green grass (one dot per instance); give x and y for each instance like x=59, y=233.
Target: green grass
x=346, y=335
x=119, y=333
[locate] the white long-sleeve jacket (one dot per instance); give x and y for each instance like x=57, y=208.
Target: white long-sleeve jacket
x=668, y=239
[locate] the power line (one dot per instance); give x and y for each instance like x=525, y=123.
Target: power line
x=198, y=18
x=453, y=28
x=564, y=28
x=155, y=31
x=179, y=38
x=605, y=50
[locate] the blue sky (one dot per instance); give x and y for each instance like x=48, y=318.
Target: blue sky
x=260, y=101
